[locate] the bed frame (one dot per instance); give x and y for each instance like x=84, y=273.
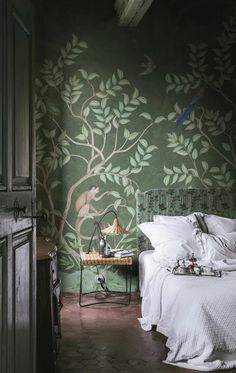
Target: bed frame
x=218, y=201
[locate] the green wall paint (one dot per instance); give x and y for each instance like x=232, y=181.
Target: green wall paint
x=107, y=100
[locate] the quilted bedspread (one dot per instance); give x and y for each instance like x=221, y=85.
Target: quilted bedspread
x=197, y=315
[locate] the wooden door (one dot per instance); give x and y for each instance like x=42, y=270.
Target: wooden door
x=17, y=190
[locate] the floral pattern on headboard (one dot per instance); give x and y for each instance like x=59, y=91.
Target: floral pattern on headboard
x=216, y=201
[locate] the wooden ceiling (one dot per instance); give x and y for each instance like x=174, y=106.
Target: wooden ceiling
x=130, y=12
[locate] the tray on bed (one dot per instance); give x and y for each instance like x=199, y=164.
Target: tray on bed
x=201, y=272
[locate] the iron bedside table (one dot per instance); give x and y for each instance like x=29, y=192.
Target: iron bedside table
x=94, y=259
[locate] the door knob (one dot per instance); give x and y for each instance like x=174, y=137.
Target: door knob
x=17, y=210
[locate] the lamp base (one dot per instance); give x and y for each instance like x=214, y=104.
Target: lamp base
x=109, y=255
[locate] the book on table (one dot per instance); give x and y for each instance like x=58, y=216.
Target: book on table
x=123, y=253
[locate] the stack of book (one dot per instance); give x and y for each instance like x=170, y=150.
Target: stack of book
x=123, y=253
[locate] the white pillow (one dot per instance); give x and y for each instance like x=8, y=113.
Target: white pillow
x=166, y=218
x=218, y=247
x=195, y=218
x=219, y=225
x=177, y=233
x=173, y=250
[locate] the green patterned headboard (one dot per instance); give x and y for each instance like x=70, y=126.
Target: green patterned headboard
x=217, y=201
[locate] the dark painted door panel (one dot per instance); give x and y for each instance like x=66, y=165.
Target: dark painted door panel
x=17, y=193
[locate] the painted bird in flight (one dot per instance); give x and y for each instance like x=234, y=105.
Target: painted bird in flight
x=149, y=66
x=183, y=116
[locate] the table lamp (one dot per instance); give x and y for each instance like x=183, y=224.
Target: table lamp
x=113, y=229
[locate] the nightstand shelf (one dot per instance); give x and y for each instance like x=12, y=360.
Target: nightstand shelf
x=107, y=296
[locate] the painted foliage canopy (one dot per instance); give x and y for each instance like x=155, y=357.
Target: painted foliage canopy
x=101, y=138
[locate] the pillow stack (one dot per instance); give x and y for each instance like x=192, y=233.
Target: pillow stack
x=219, y=242
x=209, y=237
x=172, y=236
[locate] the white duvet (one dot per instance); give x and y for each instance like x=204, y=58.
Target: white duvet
x=196, y=314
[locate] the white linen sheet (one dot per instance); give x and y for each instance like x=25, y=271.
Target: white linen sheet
x=147, y=265
x=196, y=314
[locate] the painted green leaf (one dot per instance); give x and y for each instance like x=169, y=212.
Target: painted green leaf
x=55, y=184
x=214, y=169
x=115, y=194
x=207, y=182
x=81, y=137
x=124, y=121
x=159, y=119
x=107, y=129
x=188, y=179
x=94, y=103
x=137, y=157
x=83, y=44
x=184, y=168
x=108, y=168
x=117, y=203
x=85, y=131
x=143, y=142
x=204, y=165
x=167, y=170
x=174, y=179
x=97, y=111
x=195, y=154
x=125, y=172
x=133, y=135
x=142, y=99
x=182, y=178
x=124, y=82
x=170, y=87
x=83, y=73
x=126, y=133
x=109, y=177
x=92, y=76
x=86, y=111
x=182, y=152
x=117, y=179
x=168, y=78
x=133, y=162
x=177, y=169
x=69, y=62
x=166, y=180
x=226, y=147
x=150, y=148
x=130, y=108
x=140, y=150
x=190, y=147
x=99, y=124
x=120, y=73
x=103, y=178
x=116, y=112
x=146, y=115
x=147, y=156
x=228, y=116
x=125, y=181
x=190, y=127
x=66, y=160
x=171, y=115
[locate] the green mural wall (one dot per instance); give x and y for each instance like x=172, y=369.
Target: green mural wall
x=106, y=106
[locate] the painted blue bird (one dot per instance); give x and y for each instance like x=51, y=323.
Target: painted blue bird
x=183, y=116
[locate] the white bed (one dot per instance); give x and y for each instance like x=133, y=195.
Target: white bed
x=197, y=314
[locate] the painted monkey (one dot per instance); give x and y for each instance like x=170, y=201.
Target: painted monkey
x=83, y=206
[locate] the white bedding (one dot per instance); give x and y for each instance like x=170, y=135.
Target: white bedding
x=196, y=314
x=147, y=265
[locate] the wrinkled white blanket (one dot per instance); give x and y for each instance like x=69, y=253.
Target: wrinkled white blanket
x=196, y=314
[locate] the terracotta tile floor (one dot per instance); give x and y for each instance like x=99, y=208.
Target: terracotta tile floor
x=108, y=339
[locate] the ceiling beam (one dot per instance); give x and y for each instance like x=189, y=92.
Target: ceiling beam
x=130, y=12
